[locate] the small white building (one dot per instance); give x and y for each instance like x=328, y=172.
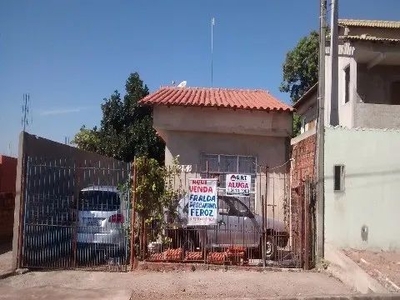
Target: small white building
x=234, y=130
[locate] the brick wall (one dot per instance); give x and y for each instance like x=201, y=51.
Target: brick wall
x=8, y=170
x=303, y=154
x=303, y=166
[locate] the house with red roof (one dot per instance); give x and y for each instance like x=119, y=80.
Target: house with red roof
x=223, y=131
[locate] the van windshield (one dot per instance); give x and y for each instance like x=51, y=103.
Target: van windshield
x=98, y=201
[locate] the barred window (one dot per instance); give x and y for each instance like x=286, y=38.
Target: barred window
x=218, y=165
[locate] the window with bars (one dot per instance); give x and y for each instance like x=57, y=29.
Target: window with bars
x=218, y=165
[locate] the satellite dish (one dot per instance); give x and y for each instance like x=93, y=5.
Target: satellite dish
x=182, y=84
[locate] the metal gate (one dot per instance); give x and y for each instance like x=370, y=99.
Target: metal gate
x=75, y=214
x=255, y=231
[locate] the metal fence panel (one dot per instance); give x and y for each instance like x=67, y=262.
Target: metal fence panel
x=242, y=236
x=75, y=214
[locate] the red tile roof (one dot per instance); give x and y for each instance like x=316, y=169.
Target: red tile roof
x=216, y=97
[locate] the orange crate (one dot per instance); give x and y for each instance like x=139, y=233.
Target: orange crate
x=173, y=254
x=156, y=257
x=216, y=258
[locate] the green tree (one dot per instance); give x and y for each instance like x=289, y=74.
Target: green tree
x=126, y=128
x=87, y=139
x=300, y=71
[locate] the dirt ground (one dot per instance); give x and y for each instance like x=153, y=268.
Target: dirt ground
x=383, y=266
x=233, y=284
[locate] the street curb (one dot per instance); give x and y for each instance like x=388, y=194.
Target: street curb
x=171, y=266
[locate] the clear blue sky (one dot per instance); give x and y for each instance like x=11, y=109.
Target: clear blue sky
x=69, y=55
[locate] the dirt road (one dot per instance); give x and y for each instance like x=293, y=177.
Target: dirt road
x=170, y=285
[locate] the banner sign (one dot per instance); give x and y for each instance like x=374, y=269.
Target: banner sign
x=203, y=202
x=238, y=185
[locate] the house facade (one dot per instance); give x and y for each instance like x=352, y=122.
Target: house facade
x=368, y=78
x=361, y=167
x=220, y=131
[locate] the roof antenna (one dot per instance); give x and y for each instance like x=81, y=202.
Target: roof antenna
x=212, y=51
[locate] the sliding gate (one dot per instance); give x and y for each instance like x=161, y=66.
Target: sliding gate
x=74, y=214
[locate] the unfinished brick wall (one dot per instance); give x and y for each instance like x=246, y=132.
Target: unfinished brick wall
x=303, y=154
x=8, y=172
x=303, y=167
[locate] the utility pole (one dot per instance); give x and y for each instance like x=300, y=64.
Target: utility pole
x=334, y=52
x=320, y=136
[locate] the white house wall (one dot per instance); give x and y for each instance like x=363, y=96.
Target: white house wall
x=269, y=151
x=345, y=110
x=192, y=131
x=370, y=199
x=246, y=122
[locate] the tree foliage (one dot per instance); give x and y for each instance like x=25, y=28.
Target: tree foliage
x=157, y=192
x=87, y=139
x=300, y=69
x=156, y=188
x=126, y=129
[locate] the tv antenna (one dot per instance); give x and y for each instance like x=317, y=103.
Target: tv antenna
x=182, y=84
x=26, y=103
x=212, y=51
